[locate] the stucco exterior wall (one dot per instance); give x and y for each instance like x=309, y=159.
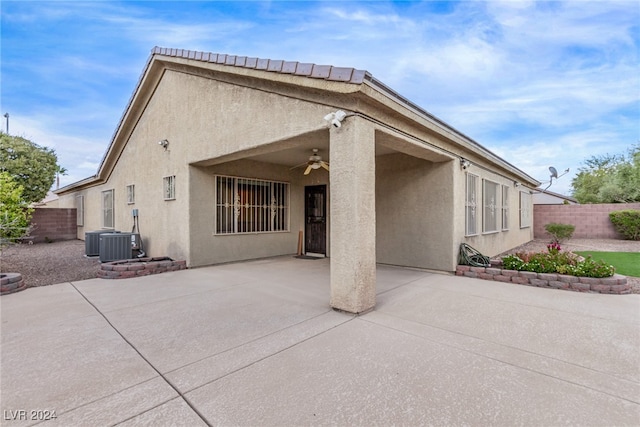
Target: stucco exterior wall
x=201, y=119
x=208, y=248
x=491, y=243
x=221, y=124
x=414, y=203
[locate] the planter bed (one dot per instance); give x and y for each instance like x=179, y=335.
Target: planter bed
x=128, y=268
x=615, y=284
x=11, y=282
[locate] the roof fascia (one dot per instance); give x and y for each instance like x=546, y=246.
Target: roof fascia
x=412, y=111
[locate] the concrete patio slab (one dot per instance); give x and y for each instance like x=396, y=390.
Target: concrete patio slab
x=256, y=343
x=119, y=407
x=59, y=354
x=589, y=340
x=345, y=377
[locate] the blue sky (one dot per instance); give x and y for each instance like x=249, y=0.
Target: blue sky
x=538, y=83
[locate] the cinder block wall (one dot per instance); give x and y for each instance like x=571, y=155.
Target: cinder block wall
x=53, y=224
x=591, y=221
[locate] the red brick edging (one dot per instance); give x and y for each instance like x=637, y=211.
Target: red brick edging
x=128, y=268
x=11, y=282
x=616, y=284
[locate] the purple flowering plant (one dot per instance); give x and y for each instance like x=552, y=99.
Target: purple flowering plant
x=554, y=248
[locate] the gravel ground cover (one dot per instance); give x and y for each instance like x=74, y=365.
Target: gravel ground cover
x=49, y=263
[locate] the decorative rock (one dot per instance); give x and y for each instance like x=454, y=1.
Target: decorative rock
x=509, y=272
x=608, y=285
x=582, y=287
x=519, y=280
x=539, y=282
x=11, y=283
x=568, y=279
x=528, y=274
x=140, y=267
x=548, y=276
x=601, y=288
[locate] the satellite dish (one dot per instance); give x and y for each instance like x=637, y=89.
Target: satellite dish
x=554, y=172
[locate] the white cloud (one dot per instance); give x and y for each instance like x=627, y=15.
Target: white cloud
x=529, y=80
x=80, y=155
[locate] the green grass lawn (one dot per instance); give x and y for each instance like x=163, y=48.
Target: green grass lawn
x=626, y=263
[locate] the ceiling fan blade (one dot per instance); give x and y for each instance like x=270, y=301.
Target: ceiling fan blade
x=324, y=165
x=297, y=166
x=308, y=170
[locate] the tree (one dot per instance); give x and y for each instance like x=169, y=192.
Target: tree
x=31, y=166
x=14, y=211
x=59, y=171
x=609, y=179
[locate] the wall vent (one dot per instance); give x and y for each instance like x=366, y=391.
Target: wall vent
x=115, y=246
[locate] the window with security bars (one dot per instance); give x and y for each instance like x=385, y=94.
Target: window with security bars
x=471, y=218
x=107, y=209
x=131, y=194
x=169, y=187
x=246, y=205
x=490, y=205
x=525, y=210
x=505, y=207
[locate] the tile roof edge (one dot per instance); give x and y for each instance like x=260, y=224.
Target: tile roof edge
x=314, y=71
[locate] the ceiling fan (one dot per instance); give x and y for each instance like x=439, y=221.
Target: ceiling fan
x=315, y=162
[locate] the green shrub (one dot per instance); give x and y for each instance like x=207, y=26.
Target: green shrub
x=512, y=262
x=14, y=212
x=627, y=223
x=562, y=262
x=560, y=232
x=588, y=268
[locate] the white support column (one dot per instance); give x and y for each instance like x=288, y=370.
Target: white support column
x=353, y=216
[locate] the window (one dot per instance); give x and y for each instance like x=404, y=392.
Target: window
x=131, y=194
x=525, y=210
x=251, y=205
x=505, y=207
x=169, y=187
x=107, y=209
x=490, y=206
x=80, y=211
x=471, y=205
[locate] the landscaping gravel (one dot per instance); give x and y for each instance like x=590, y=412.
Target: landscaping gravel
x=49, y=263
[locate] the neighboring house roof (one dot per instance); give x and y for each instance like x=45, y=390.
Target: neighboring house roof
x=49, y=198
x=549, y=198
x=341, y=75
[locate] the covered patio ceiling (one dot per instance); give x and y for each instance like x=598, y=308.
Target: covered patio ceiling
x=295, y=151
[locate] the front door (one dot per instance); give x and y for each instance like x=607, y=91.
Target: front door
x=315, y=212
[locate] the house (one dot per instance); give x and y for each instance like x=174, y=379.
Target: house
x=547, y=197
x=212, y=151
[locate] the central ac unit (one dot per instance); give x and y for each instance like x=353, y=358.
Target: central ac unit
x=115, y=246
x=92, y=242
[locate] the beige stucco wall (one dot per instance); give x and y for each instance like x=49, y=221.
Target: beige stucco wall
x=420, y=195
x=208, y=248
x=492, y=243
x=414, y=204
x=202, y=119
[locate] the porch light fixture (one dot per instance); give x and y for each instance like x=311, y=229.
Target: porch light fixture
x=164, y=143
x=464, y=163
x=335, y=119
